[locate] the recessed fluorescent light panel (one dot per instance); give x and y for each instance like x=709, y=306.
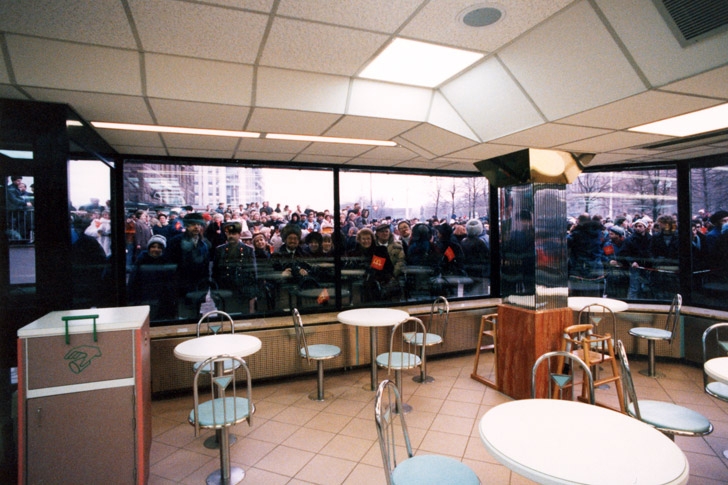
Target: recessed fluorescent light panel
x=703, y=121
x=330, y=139
x=239, y=134
x=18, y=154
x=418, y=63
x=174, y=129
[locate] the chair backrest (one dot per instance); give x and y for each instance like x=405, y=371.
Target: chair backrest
x=403, y=349
x=600, y=316
x=717, y=346
x=208, y=325
x=593, y=349
x=560, y=375
x=388, y=400
x=631, y=405
x=673, y=316
x=439, y=316
x=301, y=344
x=223, y=390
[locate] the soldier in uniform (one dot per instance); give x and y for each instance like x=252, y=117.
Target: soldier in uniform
x=234, y=268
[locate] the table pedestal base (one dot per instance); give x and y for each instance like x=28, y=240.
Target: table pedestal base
x=426, y=379
x=236, y=476
x=314, y=396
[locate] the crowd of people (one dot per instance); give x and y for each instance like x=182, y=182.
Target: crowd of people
x=251, y=255
x=635, y=257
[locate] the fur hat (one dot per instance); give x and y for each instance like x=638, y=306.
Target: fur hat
x=383, y=226
x=617, y=230
x=474, y=228
x=193, y=218
x=158, y=239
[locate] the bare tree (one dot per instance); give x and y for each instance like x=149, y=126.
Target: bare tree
x=437, y=194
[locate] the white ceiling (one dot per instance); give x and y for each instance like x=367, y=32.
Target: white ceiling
x=561, y=74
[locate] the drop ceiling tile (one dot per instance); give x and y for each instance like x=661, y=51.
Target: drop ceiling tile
x=98, y=106
x=436, y=140
x=101, y=22
x=388, y=153
x=270, y=156
x=550, y=135
x=131, y=138
x=328, y=49
x=10, y=92
x=369, y=128
x=490, y=102
x=197, y=30
x=459, y=166
x=75, y=67
x=272, y=146
x=443, y=114
x=571, y=64
x=372, y=162
x=485, y=151
x=199, y=115
x=384, y=100
x=4, y=74
x=439, y=22
x=143, y=150
x=335, y=149
x=608, y=159
x=376, y=15
x=278, y=88
x=423, y=164
x=174, y=140
x=264, y=6
x=414, y=148
x=712, y=83
x=639, y=109
x=310, y=158
x=292, y=122
x=187, y=79
x=653, y=46
x=200, y=153
x=612, y=141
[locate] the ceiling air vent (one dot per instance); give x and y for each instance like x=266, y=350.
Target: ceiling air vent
x=694, y=20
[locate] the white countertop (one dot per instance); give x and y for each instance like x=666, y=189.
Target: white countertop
x=566, y=442
x=109, y=319
x=373, y=317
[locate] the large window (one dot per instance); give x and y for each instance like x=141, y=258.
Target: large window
x=622, y=234
x=389, y=238
x=709, y=235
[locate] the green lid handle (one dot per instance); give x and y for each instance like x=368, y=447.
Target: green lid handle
x=79, y=317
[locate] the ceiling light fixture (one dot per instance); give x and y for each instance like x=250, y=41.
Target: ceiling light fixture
x=418, y=63
x=330, y=139
x=239, y=134
x=703, y=121
x=174, y=129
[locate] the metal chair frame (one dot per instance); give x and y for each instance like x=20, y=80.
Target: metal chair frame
x=317, y=352
x=414, y=469
x=224, y=407
x=558, y=380
x=656, y=419
x=716, y=389
x=402, y=353
x=436, y=331
x=652, y=335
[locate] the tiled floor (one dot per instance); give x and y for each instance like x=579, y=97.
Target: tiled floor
x=294, y=440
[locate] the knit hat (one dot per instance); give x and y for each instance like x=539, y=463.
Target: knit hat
x=246, y=235
x=474, y=228
x=159, y=239
x=383, y=226
x=617, y=230
x=641, y=221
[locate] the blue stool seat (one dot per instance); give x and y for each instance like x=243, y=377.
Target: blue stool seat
x=651, y=333
x=221, y=412
x=417, y=338
x=669, y=416
x=433, y=469
x=321, y=351
x=400, y=360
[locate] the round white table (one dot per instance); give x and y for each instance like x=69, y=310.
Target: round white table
x=202, y=348
x=373, y=318
x=547, y=440
x=576, y=303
